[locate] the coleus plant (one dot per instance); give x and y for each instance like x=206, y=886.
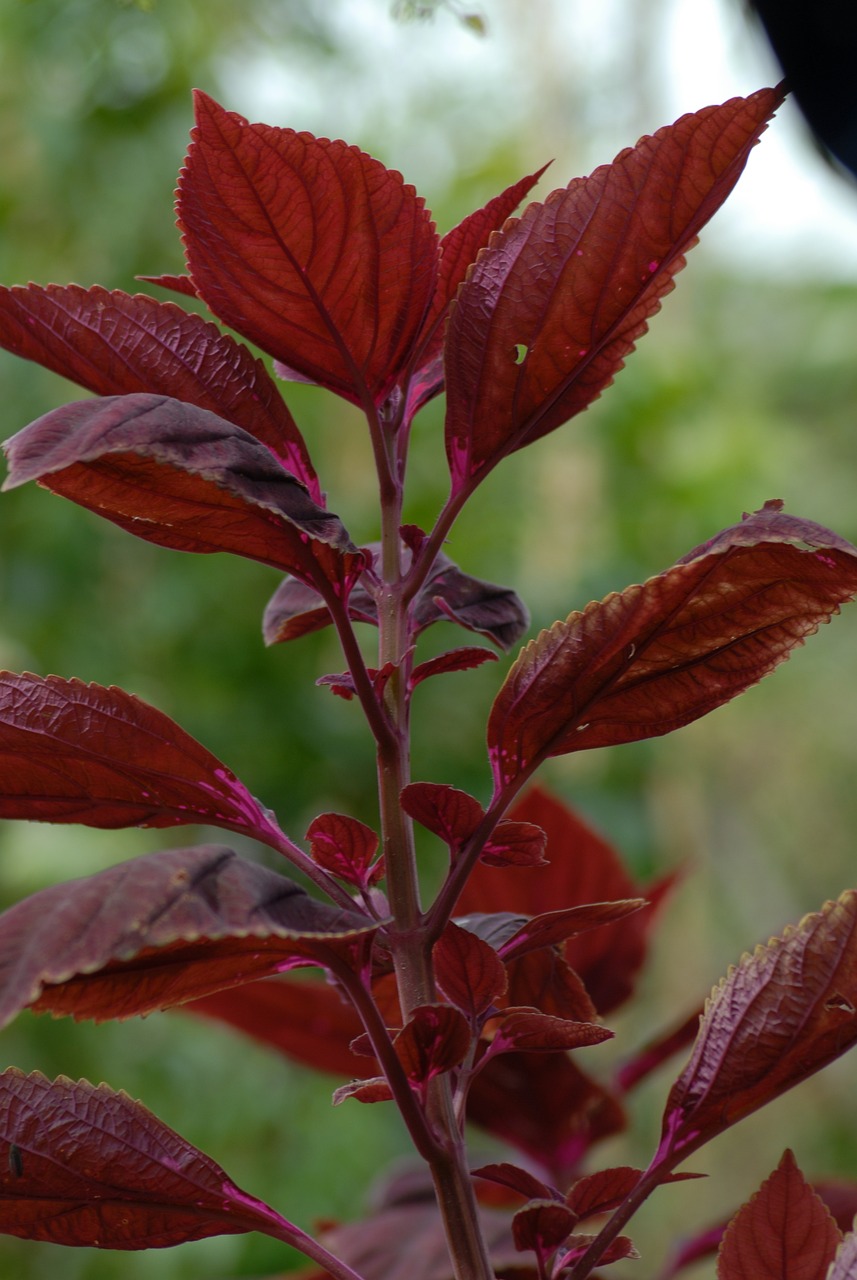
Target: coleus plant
x=467, y=1008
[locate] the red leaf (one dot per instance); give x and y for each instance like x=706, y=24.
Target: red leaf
x=453, y=660
x=312, y=250
x=531, y=1031
x=544, y=1105
x=544, y=980
x=448, y=813
x=434, y=1039
x=515, y=844
x=783, y=1233
x=542, y=1226
x=779, y=1016
x=620, y=1248
x=180, y=477
x=458, y=249
x=658, y=656
x=304, y=1019
x=553, y=307
x=345, y=847
x=519, y=1180
x=114, y=343
x=375, y=1090
x=605, y=1190
x=75, y=752
x=177, y=283
x=583, y=870
x=468, y=971
x=161, y=929
x=96, y=1168
x=557, y=926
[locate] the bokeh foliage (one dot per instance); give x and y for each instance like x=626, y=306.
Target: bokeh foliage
x=744, y=391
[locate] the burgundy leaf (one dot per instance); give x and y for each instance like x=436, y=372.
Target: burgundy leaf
x=114, y=343
x=458, y=249
x=93, y=1167
x=309, y=248
x=181, y=477
x=447, y=595
x=547, y=982
x=620, y=1248
x=657, y=656
x=448, y=813
x=495, y=927
x=557, y=926
x=75, y=752
x=177, y=283
x=345, y=847
x=304, y=1019
x=542, y=1226
x=530, y=1031
x=468, y=971
x=583, y=869
x=553, y=307
x=779, y=1016
x=556, y=1137
x=434, y=1039
x=453, y=660
x=519, y=1180
x=783, y=1233
x=161, y=929
x=605, y=1190
x=515, y=844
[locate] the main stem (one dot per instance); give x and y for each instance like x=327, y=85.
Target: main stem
x=411, y=945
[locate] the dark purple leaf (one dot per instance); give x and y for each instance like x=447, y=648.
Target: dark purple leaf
x=576, y=1246
x=519, y=1180
x=75, y=752
x=448, y=813
x=95, y=1168
x=114, y=343
x=554, y=306
x=657, y=656
x=557, y=926
x=780, y=1015
x=309, y=248
x=468, y=971
x=605, y=1190
x=181, y=477
x=162, y=929
x=783, y=1233
x=544, y=980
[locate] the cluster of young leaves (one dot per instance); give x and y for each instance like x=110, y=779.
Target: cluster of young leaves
x=330, y=264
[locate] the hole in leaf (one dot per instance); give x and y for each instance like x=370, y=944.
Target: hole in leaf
x=520, y=352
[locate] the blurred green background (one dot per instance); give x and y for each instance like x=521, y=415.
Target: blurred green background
x=744, y=391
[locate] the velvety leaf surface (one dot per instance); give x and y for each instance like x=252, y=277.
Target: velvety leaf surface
x=176, y=475
x=468, y=971
x=553, y=307
x=114, y=343
x=584, y=869
x=75, y=752
x=458, y=249
x=783, y=1233
x=657, y=656
x=93, y=1167
x=309, y=248
x=161, y=929
x=304, y=1019
x=779, y=1016
x=447, y=595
